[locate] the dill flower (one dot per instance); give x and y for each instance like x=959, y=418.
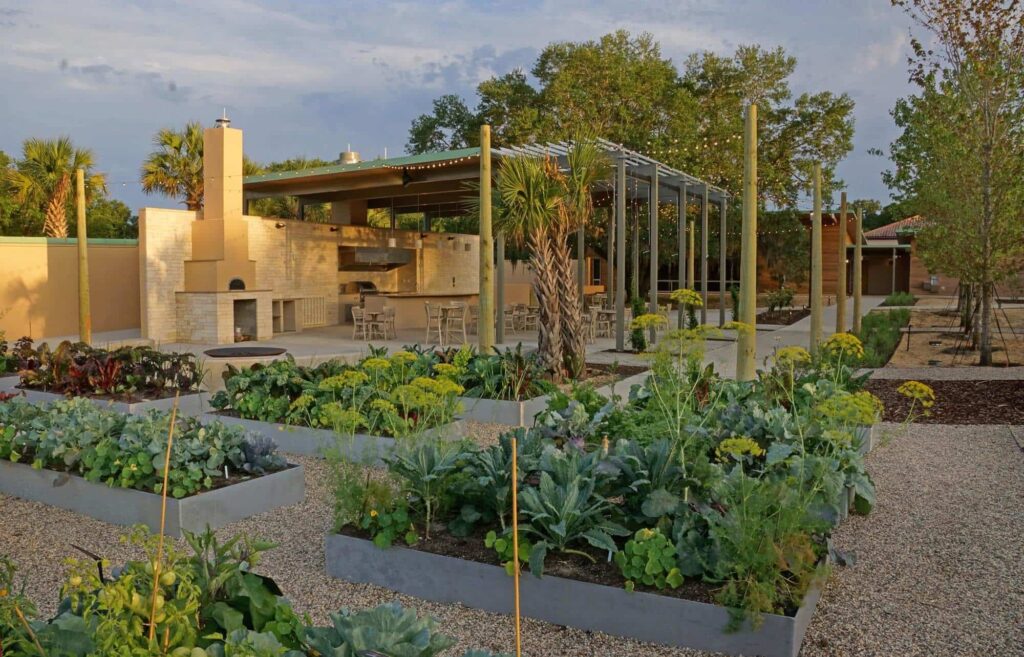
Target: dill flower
x=446, y=369
x=301, y=402
x=917, y=391
x=852, y=408
x=648, y=321
x=843, y=344
x=383, y=406
x=737, y=447
x=403, y=357
x=792, y=356
x=687, y=297
x=375, y=363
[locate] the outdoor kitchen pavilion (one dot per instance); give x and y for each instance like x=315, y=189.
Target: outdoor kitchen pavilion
x=440, y=185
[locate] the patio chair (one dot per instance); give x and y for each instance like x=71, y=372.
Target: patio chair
x=473, y=319
x=529, y=318
x=602, y=324
x=455, y=323
x=365, y=329
x=389, y=323
x=433, y=321
x=509, y=315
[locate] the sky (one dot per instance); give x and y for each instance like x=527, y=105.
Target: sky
x=309, y=77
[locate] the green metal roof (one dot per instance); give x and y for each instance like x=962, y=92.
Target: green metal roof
x=366, y=165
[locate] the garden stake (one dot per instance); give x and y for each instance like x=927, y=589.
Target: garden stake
x=163, y=520
x=515, y=543
x=28, y=628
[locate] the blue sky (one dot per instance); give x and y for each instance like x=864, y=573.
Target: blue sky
x=309, y=77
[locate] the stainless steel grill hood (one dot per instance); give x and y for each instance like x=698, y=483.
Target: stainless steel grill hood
x=367, y=258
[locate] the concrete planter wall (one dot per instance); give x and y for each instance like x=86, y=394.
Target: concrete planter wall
x=195, y=403
x=866, y=436
x=522, y=413
x=643, y=616
x=126, y=506
x=312, y=442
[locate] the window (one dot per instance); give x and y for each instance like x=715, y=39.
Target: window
x=595, y=272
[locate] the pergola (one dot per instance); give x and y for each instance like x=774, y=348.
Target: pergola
x=439, y=182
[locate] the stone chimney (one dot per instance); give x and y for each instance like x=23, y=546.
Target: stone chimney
x=220, y=238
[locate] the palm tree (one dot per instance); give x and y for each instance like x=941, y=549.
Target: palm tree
x=529, y=197
x=43, y=178
x=587, y=164
x=175, y=169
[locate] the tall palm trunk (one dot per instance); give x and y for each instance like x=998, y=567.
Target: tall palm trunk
x=573, y=337
x=545, y=286
x=56, y=224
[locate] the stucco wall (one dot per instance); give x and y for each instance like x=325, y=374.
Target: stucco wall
x=39, y=286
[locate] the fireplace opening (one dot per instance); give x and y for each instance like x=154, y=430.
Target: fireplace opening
x=245, y=320
x=236, y=284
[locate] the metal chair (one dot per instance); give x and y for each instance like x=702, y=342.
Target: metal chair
x=390, y=331
x=473, y=319
x=433, y=322
x=455, y=323
x=358, y=324
x=509, y=317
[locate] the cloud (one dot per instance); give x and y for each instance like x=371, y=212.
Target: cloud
x=307, y=77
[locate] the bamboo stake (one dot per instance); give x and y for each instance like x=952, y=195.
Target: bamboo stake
x=163, y=519
x=515, y=544
x=28, y=628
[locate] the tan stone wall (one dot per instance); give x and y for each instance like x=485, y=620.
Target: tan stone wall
x=165, y=243
x=39, y=286
x=297, y=261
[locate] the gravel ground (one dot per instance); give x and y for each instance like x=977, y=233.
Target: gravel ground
x=939, y=568
x=965, y=373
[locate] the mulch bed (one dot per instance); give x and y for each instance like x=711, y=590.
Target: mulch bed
x=783, y=317
x=957, y=402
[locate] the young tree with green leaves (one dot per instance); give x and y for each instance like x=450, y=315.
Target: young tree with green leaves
x=960, y=158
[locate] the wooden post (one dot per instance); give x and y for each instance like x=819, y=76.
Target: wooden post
x=620, y=253
x=581, y=260
x=499, y=293
x=653, y=243
x=816, y=299
x=857, y=271
x=841, y=272
x=691, y=256
x=746, y=341
x=485, y=324
x=721, y=261
x=84, y=311
x=704, y=256
x=609, y=275
x=681, y=208
x=635, y=265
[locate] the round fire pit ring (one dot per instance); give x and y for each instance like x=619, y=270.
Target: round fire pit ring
x=245, y=352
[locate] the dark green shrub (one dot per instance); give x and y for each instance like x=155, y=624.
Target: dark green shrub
x=900, y=299
x=880, y=333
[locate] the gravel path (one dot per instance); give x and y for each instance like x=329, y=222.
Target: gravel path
x=939, y=567
x=968, y=373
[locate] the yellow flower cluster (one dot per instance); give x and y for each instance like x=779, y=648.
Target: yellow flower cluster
x=687, y=297
x=384, y=406
x=648, y=321
x=446, y=369
x=347, y=379
x=737, y=447
x=373, y=364
x=918, y=391
x=791, y=356
x=844, y=344
x=403, y=357
x=740, y=327
x=342, y=419
x=301, y=402
x=852, y=409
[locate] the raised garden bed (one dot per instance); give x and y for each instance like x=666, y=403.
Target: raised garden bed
x=522, y=413
x=127, y=506
x=308, y=441
x=583, y=605
x=193, y=403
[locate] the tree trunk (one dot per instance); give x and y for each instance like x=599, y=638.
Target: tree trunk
x=573, y=338
x=549, y=325
x=56, y=223
x=987, y=291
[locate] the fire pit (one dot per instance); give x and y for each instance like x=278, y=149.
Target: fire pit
x=244, y=352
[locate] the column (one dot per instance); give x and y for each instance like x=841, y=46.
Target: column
x=652, y=208
x=857, y=271
x=816, y=262
x=499, y=295
x=841, y=271
x=704, y=255
x=485, y=323
x=620, y=253
x=721, y=260
x=681, y=209
x=746, y=341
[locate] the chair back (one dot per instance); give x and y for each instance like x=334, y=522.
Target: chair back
x=357, y=314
